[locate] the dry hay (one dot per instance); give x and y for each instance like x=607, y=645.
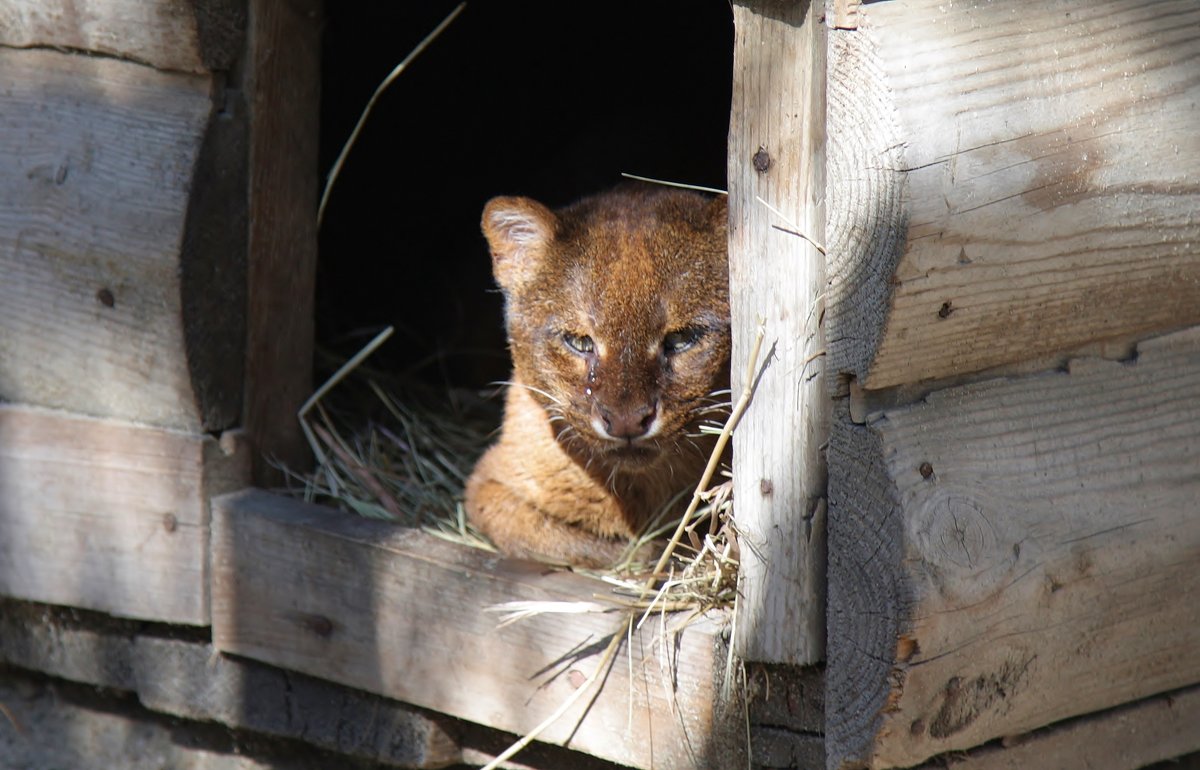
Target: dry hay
x=388, y=449
x=393, y=448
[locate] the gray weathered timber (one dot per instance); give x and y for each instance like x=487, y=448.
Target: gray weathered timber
x=1010, y=553
x=1009, y=180
x=1129, y=737
x=189, y=679
x=282, y=85
x=110, y=516
x=400, y=613
x=195, y=36
x=97, y=158
x=776, y=160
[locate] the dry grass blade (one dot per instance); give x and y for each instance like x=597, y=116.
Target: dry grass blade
x=520, y=610
x=394, y=451
x=665, y=183
x=609, y=652
x=714, y=460
x=395, y=73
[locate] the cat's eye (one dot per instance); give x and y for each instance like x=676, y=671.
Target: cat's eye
x=680, y=340
x=580, y=343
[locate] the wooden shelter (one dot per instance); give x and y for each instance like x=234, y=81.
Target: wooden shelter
x=967, y=490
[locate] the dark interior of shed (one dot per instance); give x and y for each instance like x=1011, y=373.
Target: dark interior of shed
x=550, y=100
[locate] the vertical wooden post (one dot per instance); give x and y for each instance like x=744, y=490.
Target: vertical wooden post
x=777, y=276
x=283, y=88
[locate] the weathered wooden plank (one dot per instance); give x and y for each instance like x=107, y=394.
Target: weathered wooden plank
x=776, y=154
x=188, y=679
x=1125, y=738
x=283, y=91
x=400, y=613
x=1014, y=552
x=109, y=516
x=1009, y=180
x=187, y=35
x=97, y=159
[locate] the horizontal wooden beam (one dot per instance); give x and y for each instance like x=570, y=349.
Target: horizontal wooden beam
x=187, y=679
x=1128, y=737
x=112, y=304
x=400, y=613
x=109, y=516
x=1012, y=553
x=1000, y=188
x=186, y=35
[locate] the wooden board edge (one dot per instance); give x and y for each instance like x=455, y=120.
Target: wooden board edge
x=1127, y=737
x=135, y=553
x=196, y=36
x=315, y=649
x=868, y=683
x=777, y=148
x=282, y=93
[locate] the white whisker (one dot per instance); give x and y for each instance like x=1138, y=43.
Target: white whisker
x=513, y=383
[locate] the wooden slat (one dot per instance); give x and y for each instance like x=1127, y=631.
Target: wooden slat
x=96, y=164
x=283, y=89
x=187, y=35
x=188, y=679
x=1126, y=738
x=1009, y=180
x=776, y=153
x=400, y=613
x=109, y=516
x=1007, y=554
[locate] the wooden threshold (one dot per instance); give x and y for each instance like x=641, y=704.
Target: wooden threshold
x=401, y=613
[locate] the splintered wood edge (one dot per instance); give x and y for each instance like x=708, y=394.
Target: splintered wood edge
x=402, y=614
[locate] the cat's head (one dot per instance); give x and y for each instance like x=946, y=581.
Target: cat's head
x=617, y=310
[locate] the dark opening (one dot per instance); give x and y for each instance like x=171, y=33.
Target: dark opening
x=549, y=100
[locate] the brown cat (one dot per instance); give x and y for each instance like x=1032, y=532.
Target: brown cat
x=617, y=310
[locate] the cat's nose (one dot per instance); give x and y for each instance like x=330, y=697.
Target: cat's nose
x=628, y=423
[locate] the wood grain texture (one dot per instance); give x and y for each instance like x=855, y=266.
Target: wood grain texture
x=1023, y=176
x=1011, y=553
x=195, y=36
x=97, y=158
x=188, y=679
x=400, y=613
x=109, y=516
x=776, y=154
x=283, y=91
x=1125, y=738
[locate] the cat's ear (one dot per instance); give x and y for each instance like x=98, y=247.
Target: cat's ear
x=518, y=232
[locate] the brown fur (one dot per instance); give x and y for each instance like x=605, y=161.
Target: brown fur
x=573, y=475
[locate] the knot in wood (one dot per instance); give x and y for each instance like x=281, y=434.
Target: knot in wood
x=761, y=160
x=963, y=533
